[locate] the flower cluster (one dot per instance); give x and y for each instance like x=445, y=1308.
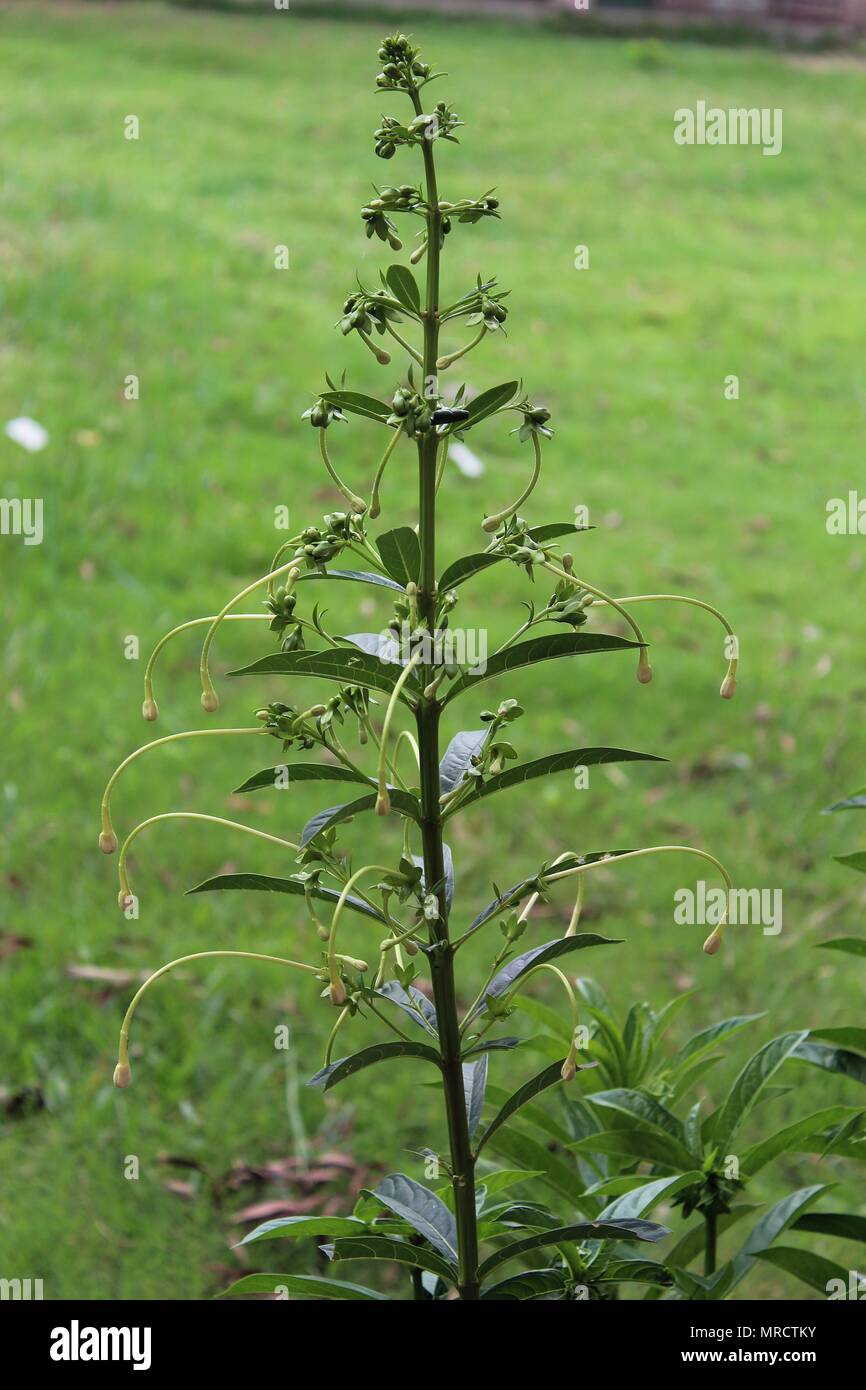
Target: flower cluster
x=439, y=124
x=402, y=69
x=374, y=214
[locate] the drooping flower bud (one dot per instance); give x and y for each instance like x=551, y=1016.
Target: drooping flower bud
x=150, y=710
x=337, y=993
x=714, y=940
x=729, y=686
x=108, y=842
x=644, y=670
x=210, y=701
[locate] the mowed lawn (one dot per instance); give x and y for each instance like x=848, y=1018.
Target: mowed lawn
x=155, y=258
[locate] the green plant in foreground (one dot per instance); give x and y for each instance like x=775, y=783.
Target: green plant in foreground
x=418, y=667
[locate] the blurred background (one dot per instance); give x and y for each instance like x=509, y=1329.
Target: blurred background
x=154, y=257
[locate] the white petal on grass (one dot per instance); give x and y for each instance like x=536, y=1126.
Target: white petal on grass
x=28, y=433
x=469, y=464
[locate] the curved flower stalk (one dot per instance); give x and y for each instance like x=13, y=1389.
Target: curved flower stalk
x=124, y=896
x=209, y=697
x=107, y=838
x=150, y=709
x=123, y=1071
x=417, y=871
x=714, y=940
x=729, y=684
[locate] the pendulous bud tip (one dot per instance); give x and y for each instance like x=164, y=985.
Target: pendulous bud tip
x=410, y=948
x=108, y=842
x=150, y=710
x=490, y=523
x=124, y=899
x=337, y=993
x=383, y=804
x=569, y=1070
x=122, y=1075
x=713, y=942
x=210, y=701
x=728, y=687
x=644, y=670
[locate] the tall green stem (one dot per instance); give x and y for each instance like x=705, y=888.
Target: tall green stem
x=710, y=1247
x=442, y=952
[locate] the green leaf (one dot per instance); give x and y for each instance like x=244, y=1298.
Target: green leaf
x=488, y=402
x=703, y=1042
x=537, y=649
x=855, y=861
x=809, y=1268
x=635, y=1272
x=358, y=404
x=833, y=1059
x=412, y=1002
x=624, y=1229
x=833, y=1223
x=343, y=664
x=759, y=1069
x=566, y=761
x=425, y=1212
x=402, y=802
x=644, y=1109
x=402, y=284
x=640, y=1143
x=692, y=1244
x=641, y=1200
x=773, y=1224
x=381, y=1247
x=297, y=1227
x=490, y=1045
x=842, y=1037
x=356, y=576
x=542, y=1081
x=368, y=1057
x=524, y=1151
x=474, y=1085
x=304, y=1286
x=266, y=883
x=286, y=773
x=401, y=554
x=504, y=1178
x=468, y=565
x=462, y=748
x=852, y=945
x=530, y=1284
x=539, y=955
x=792, y=1137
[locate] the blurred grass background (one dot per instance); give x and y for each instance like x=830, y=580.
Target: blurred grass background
x=155, y=257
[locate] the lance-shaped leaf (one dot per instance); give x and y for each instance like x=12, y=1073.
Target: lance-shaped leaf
x=402, y=285
x=855, y=802
x=412, y=1002
x=458, y=756
x=855, y=861
x=542, y=1081
x=286, y=773
x=771, y=1225
x=266, y=883
x=343, y=664
x=491, y=1045
x=537, y=649
x=647, y=1111
x=468, y=565
x=488, y=402
x=625, y=1229
x=842, y=1037
x=422, y=1209
x=382, y=645
x=353, y=576
x=811, y=1269
x=358, y=404
x=539, y=955
x=381, y=1247
x=793, y=1137
x=748, y=1086
x=641, y=1200
x=634, y=1272
x=703, y=1042
x=474, y=1086
x=834, y=1059
x=640, y=1142
x=531, y=1284
x=567, y=761
x=303, y=1286
x=833, y=1223
x=851, y=945
x=403, y=802
x=369, y=1057
x=401, y=554
x=297, y=1227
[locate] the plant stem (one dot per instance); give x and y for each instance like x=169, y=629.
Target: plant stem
x=428, y=712
x=710, y=1247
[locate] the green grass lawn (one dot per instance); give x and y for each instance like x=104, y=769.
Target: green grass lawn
x=155, y=258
